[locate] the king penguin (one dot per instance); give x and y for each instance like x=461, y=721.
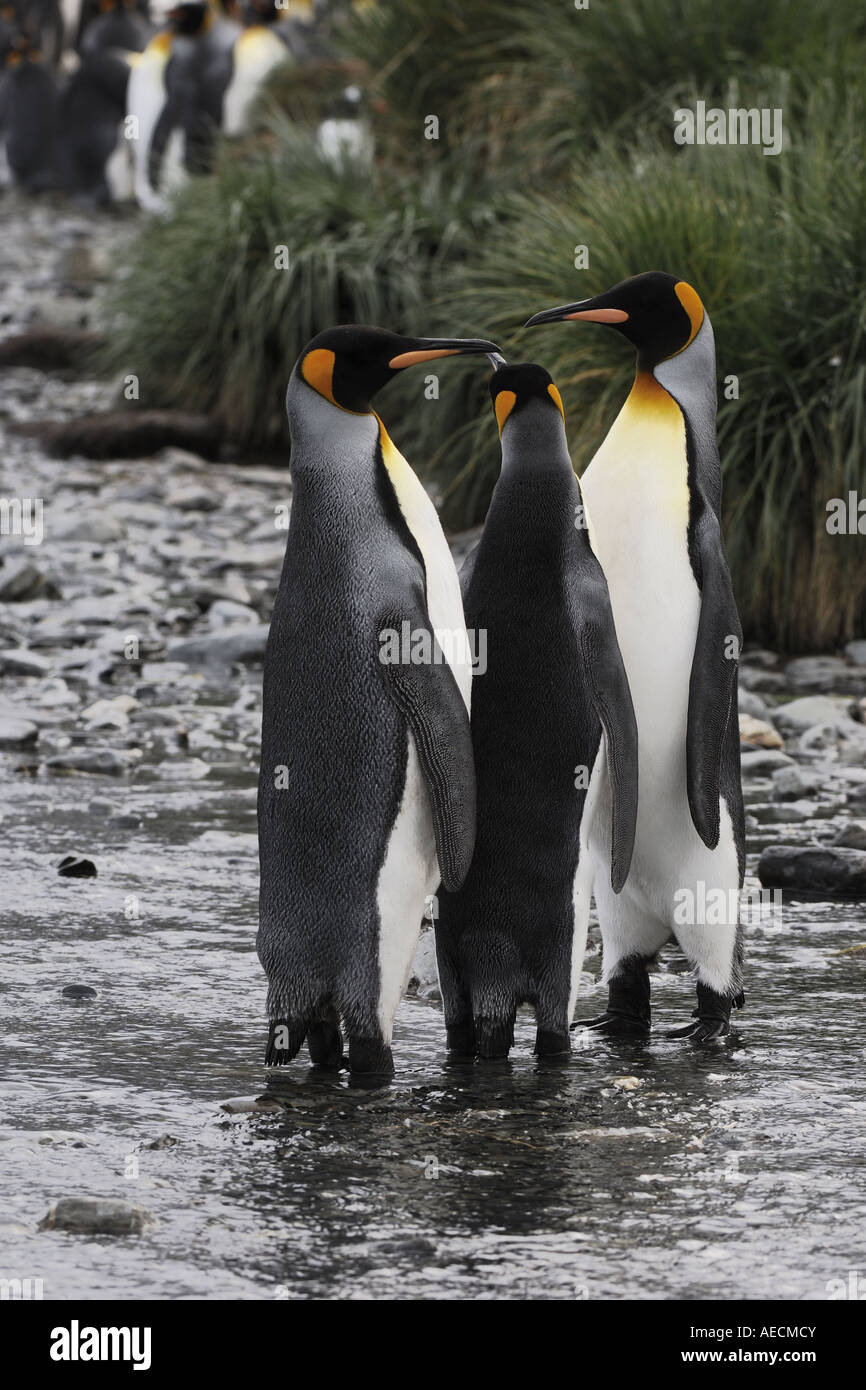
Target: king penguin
x=653, y=493
x=367, y=786
x=554, y=679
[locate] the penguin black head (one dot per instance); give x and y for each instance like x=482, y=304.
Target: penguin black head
x=659, y=314
x=190, y=18
x=349, y=364
x=514, y=384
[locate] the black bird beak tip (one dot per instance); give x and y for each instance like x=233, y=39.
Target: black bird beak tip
x=546, y=316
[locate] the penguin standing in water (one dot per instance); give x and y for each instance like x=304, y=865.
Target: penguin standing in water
x=653, y=493
x=516, y=932
x=367, y=786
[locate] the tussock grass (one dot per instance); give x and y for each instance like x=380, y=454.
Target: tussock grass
x=777, y=249
x=556, y=129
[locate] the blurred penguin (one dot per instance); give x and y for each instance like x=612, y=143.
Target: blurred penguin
x=344, y=138
x=29, y=114
x=120, y=25
x=263, y=45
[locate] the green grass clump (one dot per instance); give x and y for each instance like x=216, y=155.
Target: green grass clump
x=777, y=249
x=556, y=130
x=206, y=320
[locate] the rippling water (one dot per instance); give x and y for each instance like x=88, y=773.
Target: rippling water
x=630, y=1172
x=729, y=1173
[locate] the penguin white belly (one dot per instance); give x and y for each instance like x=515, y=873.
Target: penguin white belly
x=256, y=53
x=444, y=602
x=636, y=494
x=409, y=874
x=120, y=170
x=144, y=101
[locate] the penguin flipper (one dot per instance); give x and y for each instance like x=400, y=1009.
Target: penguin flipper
x=467, y=569
x=713, y=682
x=430, y=701
x=611, y=696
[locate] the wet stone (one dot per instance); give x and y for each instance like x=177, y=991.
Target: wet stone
x=17, y=733
x=800, y=715
x=106, y=762
x=76, y=866
x=822, y=673
x=793, y=783
x=852, y=835
x=96, y=1216
x=78, y=992
x=19, y=661
x=761, y=762
x=22, y=581
x=830, y=872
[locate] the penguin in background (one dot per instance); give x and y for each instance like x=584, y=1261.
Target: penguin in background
x=118, y=24
x=175, y=93
x=90, y=22
x=92, y=153
x=145, y=102
x=367, y=786
x=29, y=102
x=262, y=45
x=653, y=492
x=344, y=137
x=553, y=696
x=196, y=75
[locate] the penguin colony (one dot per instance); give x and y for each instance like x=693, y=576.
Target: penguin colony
x=592, y=752
x=118, y=100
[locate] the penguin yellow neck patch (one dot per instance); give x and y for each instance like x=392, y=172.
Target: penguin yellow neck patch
x=691, y=302
x=554, y=395
x=651, y=399
x=503, y=406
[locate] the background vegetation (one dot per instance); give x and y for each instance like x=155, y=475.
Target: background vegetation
x=556, y=130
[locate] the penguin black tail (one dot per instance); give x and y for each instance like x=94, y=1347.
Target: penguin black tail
x=322, y=1034
x=494, y=1037
x=284, y=1041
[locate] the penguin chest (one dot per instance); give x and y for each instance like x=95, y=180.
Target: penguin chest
x=256, y=53
x=637, y=498
x=408, y=876
x=444, y=602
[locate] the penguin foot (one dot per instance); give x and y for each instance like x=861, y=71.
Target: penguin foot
x=552, y=1044
x=460, y=1038
x=284, y=1041
x=614, y=1024
x=703, y=1030
x=325, y=1042
x=493, y=1038
x=370, y=1058
x=628, y=1013
x=712, y=1017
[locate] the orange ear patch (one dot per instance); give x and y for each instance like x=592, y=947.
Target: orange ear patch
x=691, y=302
x=503, y=405
x=317, y=369
x=554, y=395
